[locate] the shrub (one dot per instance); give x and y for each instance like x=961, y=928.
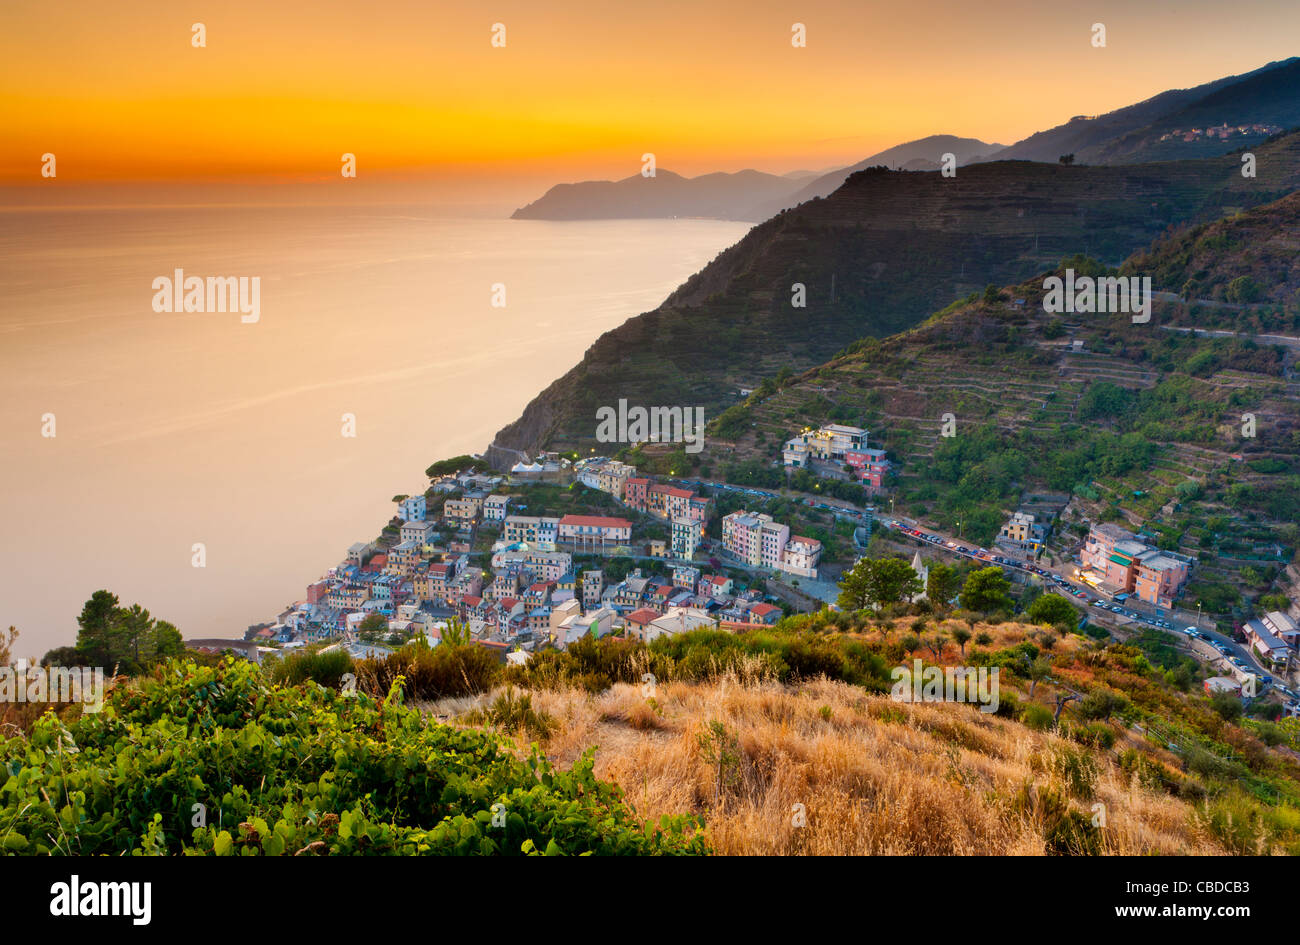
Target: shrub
x=514, y=713
x=1035, y=716
x=298, y=769
x=438, y=672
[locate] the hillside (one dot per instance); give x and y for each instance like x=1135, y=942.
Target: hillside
x=921, y=154
x=1133, y=134
x=718, y=195
x=1138, y=423
x=877, y=257
x=1142, y=764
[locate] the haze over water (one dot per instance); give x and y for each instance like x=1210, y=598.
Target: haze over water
x=179, y=428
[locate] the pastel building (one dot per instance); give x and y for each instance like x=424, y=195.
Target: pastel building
x=687, y=535
x=869, y=466
x=830, y=442
x=593, y=585
x=538, y=533
x=594, y=530
x=495, y=507
x=801, y=556
x=636, y=493
x=412, y=509
x=1115, y=561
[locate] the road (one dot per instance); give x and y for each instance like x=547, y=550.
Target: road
x=1086, y=598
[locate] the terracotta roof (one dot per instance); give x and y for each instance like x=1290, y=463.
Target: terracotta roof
x=596, y=520
x=642, y=616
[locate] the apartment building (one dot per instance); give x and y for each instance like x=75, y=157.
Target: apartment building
x=801, y=556
x=594, y=530
x=869, y=466
x=495, y=508
x=538, y=533
x=417, y=532
x=830, y=442
x=687, y=535
x=1116, y=561
x=412, y=509
x=636, y=493
x=593, y=585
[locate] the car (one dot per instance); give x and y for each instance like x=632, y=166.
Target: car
x=1191, y=631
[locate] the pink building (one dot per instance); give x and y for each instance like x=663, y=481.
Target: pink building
x=870, y=466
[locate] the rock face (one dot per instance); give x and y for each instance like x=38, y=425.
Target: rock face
x=877, y=257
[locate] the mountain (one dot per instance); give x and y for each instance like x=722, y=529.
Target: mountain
x=877, y=257
x=921, y=154
x=1266, y=96
x=744, y=195
x=719, y=195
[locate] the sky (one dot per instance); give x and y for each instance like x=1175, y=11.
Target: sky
x=418, y=93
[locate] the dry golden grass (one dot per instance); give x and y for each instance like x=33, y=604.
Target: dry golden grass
x=874, y=776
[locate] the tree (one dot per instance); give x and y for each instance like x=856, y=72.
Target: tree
x=167, y=641
x=7, y=646
x=133, y=630
x=1052, y=610
x=456, y=633
x=941, y=584
x=1102, y=704
x=1037, y=670
x=1061, y=699
x=935, y=644
x=372, y=624
x=962, y=636
x=95, y=631
x=911, y=643
x=110, y=636
x=985, y=591
x=874, y=582
x=1066, y=159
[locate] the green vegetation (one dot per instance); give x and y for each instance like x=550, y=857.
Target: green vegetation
x=214, y=760
x=873, y=582
x=446, y=467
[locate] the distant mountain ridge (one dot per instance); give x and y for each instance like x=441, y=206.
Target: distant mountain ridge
x=1173, y=125
x=719, y=195
x=745, y=195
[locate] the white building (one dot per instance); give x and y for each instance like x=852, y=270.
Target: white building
x=412, y=509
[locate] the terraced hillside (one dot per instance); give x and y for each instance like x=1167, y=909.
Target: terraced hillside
x=1148, y=424
x=876, y=257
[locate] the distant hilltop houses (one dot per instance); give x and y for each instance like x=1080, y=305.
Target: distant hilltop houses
x=1221, y=132
x=832, y=445
x=1117, y=562
x=526, y=590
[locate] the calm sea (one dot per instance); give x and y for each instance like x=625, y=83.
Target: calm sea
x=174, y=429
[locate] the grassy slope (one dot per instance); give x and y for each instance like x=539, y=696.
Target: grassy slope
x=877, y=776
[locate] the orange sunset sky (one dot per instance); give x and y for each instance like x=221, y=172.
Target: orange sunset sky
x=581, y=90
